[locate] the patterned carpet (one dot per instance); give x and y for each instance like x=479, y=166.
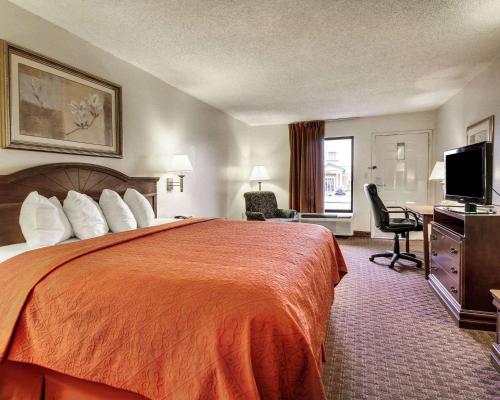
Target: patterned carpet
x=391, y=338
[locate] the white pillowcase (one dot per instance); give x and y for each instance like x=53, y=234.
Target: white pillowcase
x=116, y=211
x=140, y=207
x=85, y=215
x=43, y=221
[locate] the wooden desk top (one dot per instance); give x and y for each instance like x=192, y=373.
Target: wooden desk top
x=496, y=294
x=421, y=209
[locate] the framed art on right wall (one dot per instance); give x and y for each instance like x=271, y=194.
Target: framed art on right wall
x=481, y=131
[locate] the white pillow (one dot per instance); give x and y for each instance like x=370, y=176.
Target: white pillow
x=140, y=207
x=85, y=215
x=43, y=221
x=116, y=211
x=64, y=219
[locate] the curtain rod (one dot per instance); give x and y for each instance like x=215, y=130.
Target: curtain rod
x=341, y=119
x=326, y=120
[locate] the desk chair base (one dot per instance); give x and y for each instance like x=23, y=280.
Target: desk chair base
x=396, y=254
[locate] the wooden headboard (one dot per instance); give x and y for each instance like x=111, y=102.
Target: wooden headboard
x=56, y=180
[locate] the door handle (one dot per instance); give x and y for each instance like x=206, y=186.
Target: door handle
x=373, y=167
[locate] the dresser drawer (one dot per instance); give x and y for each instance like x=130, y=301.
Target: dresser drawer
x=498, y=326
x=450, y=281
x=446, y=251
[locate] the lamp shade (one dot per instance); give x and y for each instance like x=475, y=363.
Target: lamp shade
x=437, y=173
x=180, y=163
x=259, y=173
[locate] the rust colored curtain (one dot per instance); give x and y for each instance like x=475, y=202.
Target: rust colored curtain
x=306, y=166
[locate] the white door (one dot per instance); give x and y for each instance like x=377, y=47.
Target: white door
x=400, y=169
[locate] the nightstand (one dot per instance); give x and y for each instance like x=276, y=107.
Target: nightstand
x=164, y=220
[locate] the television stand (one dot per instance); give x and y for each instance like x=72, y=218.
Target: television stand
x=470, y=208
x=465, y=266
x=484, y=210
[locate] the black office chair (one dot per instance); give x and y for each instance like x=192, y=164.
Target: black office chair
x=398, y=226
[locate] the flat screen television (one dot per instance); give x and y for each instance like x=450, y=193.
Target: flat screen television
x=468, y=175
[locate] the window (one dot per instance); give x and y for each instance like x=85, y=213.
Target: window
x=338, y=174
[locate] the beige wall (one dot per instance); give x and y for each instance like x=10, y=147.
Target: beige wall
x=478, y=100
x=362, y=130
x=158, y=120
x=268, y=145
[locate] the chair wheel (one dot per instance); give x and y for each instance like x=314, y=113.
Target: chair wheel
x=391, y=265
x=419, y=265
x=372, y=258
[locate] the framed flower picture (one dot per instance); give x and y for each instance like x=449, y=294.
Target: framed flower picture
x=481, y=131
x=50, y=106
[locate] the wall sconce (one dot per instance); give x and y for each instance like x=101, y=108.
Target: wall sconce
x=259, y=174
x=181, y=166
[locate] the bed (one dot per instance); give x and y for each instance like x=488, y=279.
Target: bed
x=197, y=309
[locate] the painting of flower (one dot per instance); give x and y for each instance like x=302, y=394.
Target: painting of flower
x=75, y=111
x=85, y=112
x=57, y=108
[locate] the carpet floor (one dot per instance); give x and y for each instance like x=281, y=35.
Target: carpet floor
x=391, y=338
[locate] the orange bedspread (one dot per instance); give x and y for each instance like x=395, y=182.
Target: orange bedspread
x=198, y=309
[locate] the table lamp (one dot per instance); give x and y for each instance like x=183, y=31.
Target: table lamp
x=437, y=174
x=259, y=174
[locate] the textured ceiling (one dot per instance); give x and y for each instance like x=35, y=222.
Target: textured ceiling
x=277, y=61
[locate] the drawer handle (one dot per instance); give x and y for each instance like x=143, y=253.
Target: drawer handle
x=453, y=250
x=434, y=253
x=453, y=289
x=454, y=270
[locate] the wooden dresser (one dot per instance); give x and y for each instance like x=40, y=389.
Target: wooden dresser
x=465, y=265
x=495, y=352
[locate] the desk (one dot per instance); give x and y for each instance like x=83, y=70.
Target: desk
x=425, y=215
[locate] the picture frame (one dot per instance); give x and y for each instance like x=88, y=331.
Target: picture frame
x=481, y=131
x=53, y=107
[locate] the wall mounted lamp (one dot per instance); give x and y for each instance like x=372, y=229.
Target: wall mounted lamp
x=180, y=165
x=259, y=174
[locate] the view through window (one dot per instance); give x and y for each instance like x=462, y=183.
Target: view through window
x=338, y=174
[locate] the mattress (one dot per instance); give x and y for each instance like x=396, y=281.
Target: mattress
x=203, y=308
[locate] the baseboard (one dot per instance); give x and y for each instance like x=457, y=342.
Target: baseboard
x=468, y=319
x=362, y=234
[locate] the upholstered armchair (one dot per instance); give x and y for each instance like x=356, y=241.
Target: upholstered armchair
x=262, y=206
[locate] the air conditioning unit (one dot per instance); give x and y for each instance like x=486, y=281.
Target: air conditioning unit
x=339, y=223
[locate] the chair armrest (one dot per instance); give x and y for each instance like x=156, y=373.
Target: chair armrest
x=406, y=212
x=284, y=213
x=400, y=208
x=255, y=216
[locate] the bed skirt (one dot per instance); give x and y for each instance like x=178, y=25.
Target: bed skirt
x=20, y=381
